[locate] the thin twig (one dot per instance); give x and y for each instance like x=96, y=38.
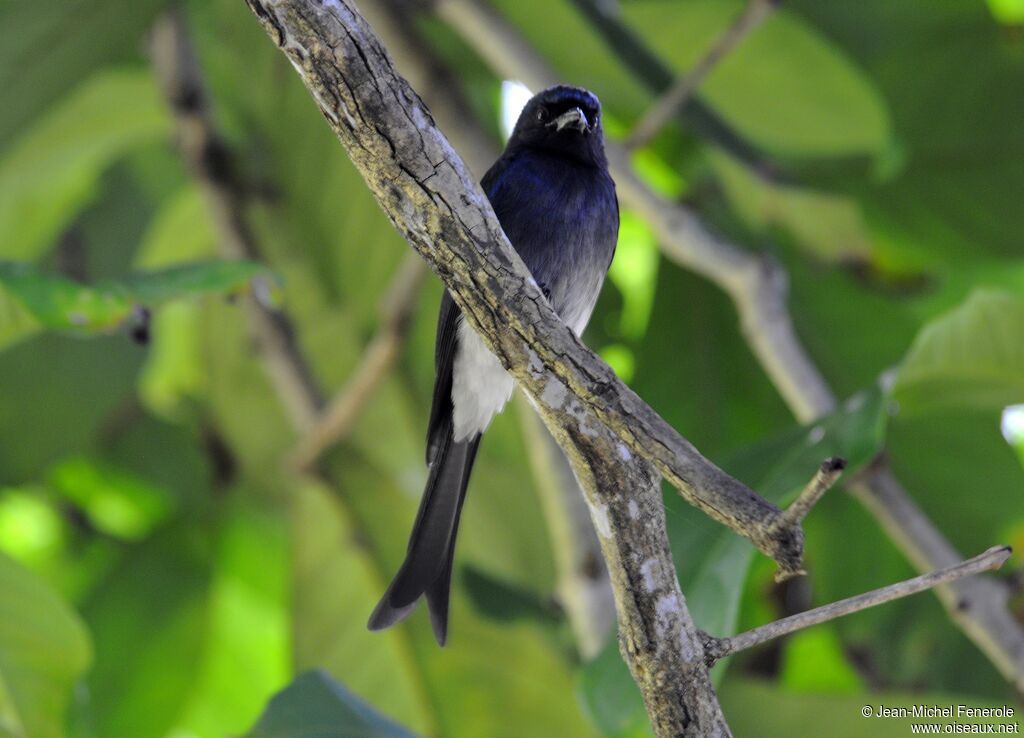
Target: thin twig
x=716, y=649
x=669, y=104
x=758, y=288
x=210, y=162
x=631, y=50
x=822, y=482
x=338, y=420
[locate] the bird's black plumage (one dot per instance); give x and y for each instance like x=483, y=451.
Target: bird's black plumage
x=556, y=202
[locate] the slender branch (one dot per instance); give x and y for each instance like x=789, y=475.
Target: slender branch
x=758, y=288
x=675, y=97
x=583, y=587
x=828, y=473
x=716, y=649
x=210, y=163
x=338, y=420
x=631, y=50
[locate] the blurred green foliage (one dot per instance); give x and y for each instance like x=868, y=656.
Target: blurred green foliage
x=162, y=574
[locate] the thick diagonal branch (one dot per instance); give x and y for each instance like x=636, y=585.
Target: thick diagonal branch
x=758, y=288
x=436, y=205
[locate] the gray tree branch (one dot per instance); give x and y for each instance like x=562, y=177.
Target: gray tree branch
x=716, y=649
x=758, y=287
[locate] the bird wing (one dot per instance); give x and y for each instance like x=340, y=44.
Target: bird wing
x=444, y=362
x=446, y=344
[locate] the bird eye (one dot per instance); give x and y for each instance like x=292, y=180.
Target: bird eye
x=542, y=114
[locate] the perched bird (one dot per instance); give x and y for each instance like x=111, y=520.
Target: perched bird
x=556, y=203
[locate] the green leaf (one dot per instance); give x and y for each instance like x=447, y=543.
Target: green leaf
x=786, y=87
x=149, y=620
x=634, y=272
x=54, y=169
x=499, y=600
x=59, y=392
x=248, y=624
x=174, y=370
x=337, y=584
x=1008, y=12
x=316, y=706
x=813, y=661
x=180, y=231
x=114, y=500
x=954, y=194
x=59, y=303
x=35, y=71
x=16, y=322
x=828, y=226
x=972, y=356
x=44, y=649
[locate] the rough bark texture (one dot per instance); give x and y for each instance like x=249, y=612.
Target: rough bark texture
x=613, y=440
x=583, y=586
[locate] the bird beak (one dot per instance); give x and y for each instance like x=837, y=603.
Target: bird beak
x=571, y=119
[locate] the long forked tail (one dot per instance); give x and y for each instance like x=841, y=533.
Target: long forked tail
x=427, y=569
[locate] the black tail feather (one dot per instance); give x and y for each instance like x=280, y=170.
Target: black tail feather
x=427, y=567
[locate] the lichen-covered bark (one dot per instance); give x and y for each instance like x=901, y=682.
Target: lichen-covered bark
x=657, y=637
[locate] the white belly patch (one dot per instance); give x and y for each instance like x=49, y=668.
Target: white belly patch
x=480, y=385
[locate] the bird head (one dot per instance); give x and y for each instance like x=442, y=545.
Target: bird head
x=563, y=120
